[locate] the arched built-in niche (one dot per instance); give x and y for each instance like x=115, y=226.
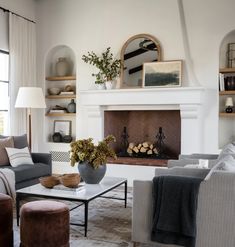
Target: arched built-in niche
x=226, y=89
x=52, y=80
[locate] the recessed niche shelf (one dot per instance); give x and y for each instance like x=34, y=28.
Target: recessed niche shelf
x=55, y=114
x=224, y=114
x=61, y=96
x=229, y=92
x=61, y=78
x=227, y=70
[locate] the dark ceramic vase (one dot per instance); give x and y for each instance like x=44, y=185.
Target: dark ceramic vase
x=91, y=175
x=57, y=137
x=71, y=106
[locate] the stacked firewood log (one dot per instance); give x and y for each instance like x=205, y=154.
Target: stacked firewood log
x=145, y=148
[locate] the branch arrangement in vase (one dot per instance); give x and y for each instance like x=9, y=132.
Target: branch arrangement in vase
x=109, y=67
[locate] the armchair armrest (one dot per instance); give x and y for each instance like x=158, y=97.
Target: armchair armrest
x=198, y=156
x=184, y=162
x=181, y=171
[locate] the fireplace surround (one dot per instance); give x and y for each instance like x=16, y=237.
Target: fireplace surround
x=187, y=100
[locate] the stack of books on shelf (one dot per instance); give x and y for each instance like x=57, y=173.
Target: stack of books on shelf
x=67, y=93
x=58, y=109
x=226, y=83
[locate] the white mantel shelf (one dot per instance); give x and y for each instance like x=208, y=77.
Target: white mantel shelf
x=143, y=96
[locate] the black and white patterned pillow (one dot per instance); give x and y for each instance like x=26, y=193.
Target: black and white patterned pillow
x=19, y=156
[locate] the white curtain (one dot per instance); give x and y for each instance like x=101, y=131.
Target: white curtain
x=22, y=49
x=4, y=24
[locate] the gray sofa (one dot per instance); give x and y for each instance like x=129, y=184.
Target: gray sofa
x=26, y=175
x=215, y=214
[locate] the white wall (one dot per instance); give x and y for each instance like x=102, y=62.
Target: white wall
x=86, y=25
x=25, y=8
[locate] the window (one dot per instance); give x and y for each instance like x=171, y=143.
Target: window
x=4, y=91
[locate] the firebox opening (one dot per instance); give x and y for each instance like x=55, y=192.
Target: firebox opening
x=153, y=134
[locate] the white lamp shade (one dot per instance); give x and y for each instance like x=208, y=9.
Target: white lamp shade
x=30, y=97
x=229, y=101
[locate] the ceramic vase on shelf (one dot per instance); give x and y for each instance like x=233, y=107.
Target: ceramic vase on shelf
x=91, y=175
x=100, y=86
x=71, y=106
x=62, y=67
x=109, y=85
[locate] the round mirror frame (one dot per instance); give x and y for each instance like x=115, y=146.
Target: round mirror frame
x=142, y=35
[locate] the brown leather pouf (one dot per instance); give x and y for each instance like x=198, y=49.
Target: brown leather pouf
x=6, y=221
x=44, y=224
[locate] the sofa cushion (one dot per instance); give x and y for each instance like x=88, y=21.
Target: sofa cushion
x=19, y=156
x=6, y=142
x=227, y=149
x=28, y=172
x=227, y=163
x=19, y=141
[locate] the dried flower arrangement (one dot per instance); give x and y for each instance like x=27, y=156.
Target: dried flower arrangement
x=86, y=151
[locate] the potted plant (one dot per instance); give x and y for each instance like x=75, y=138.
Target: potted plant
x=109, y=67
x=91, y=158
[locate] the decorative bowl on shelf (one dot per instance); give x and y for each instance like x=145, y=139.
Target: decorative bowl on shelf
x=71, y=180
x=54, y=91
x=49, y=181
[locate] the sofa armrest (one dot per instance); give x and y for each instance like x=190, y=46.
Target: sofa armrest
x=44, y=158
x=142, y=211
x=216, y=210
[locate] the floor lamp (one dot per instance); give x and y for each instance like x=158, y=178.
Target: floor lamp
x=30, y=97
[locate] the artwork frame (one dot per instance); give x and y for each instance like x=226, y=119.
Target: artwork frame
x=162, y=74
x=63, y=127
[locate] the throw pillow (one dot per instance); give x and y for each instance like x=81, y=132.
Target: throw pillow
x=227, y=149
x=19, y=141
x=7, y=142
x=19, y=156
x=225, y=164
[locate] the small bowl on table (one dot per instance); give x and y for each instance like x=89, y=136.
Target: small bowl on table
x=49, y=181
x=70, y=180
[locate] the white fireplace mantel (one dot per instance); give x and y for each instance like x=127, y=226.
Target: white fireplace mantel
x=189, y=100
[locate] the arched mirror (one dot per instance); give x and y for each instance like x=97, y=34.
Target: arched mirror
x=137, y=50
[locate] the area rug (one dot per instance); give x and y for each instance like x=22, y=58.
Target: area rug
x=109, y=223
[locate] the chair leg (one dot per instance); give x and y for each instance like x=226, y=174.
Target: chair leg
x=135, y=244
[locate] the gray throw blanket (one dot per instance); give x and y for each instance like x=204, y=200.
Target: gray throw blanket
x=174, y=210
x=7, y=182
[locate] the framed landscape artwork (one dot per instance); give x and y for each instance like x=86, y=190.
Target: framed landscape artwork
x=162, y=74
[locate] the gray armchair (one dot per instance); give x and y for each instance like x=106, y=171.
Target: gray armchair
x=215, y=213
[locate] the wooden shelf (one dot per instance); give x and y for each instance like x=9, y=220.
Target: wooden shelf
x=227, y=70
x=73, y=96
x=61, y=78
x=229, y=92
x=57, y=114
x=224, y=114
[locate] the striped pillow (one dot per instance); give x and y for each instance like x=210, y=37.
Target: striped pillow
x=19, y=156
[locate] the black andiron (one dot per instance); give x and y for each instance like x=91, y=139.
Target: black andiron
x=160, y=143
x=124, y=143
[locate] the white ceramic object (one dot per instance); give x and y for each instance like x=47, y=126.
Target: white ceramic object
x=53, y=91
x=100, y=86
x=109, y=85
